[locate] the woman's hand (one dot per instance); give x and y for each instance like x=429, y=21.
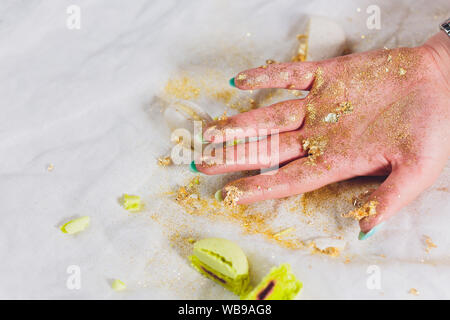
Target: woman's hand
x=383, y=112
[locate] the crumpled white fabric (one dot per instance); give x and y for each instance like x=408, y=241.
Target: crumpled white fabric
x=82, y=101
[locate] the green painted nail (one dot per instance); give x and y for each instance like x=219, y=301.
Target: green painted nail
x=192, y=167
x=364, y=236
x=232, y=83
x=218, y=195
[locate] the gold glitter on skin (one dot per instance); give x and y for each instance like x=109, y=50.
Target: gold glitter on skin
x=233, y=195
x=318, y=82
x=344, y=108
x=315, y=147
x=345, y=83
x=310, y=113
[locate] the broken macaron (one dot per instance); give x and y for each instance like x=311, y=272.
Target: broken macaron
x=222, y=261
x=279, y=284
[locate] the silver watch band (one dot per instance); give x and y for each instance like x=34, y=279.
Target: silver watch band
x=445, y=26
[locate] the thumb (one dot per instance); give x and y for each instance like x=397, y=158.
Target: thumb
x=402, y=186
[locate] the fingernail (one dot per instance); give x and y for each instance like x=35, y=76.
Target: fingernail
x=232, y=83
x=364, y=236
x=218, y=195
x=193, y=168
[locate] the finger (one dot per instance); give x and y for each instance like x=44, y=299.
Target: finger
x=280, y=117
x=296, y=177
x=265, y=153
x=293, y=75
x=402, y=186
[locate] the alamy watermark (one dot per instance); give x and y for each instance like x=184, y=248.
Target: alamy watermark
x=73, y=281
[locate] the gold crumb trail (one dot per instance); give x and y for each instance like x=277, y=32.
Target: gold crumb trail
x=367, y=210
x=429, y=243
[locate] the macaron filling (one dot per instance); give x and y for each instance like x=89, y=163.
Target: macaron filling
x=279, y=284
x=266, y=291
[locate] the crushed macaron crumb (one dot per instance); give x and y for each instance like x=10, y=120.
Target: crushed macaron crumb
x=132, y=203
x=118, y=285
x=76, y=225
x=368, y=209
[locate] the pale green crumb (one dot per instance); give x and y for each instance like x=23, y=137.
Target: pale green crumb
x=132, y=203
x=118, y=285
x=76, y=225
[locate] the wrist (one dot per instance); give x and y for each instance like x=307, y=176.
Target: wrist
x=438, y=48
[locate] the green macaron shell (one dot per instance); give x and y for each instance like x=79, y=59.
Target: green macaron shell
x=279, y=284
x=223, y=262
x=222, y=255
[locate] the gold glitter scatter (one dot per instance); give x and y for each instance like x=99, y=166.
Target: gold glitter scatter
x=242, y=76
x=223, y=95
x=318, y=82
x=414, y=291
x=429, y=243
x=401, y=71
x=342, y=109
x=310, y=112
x=164, y=161
x=232, y=197
x=183, y=88
x=223, y=116
x=283, y=232
x=189, y=198
x=50, y=167
x=329, y=251
x=315, y=147
x=270, y=61
x=368, y=209
x=250, y=220
x=345, y=108
x=177, y=139
x=360, y=199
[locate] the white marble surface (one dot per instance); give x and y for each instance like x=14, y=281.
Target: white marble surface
x=82, y=101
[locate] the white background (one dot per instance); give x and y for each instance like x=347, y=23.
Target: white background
x=82, y=100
